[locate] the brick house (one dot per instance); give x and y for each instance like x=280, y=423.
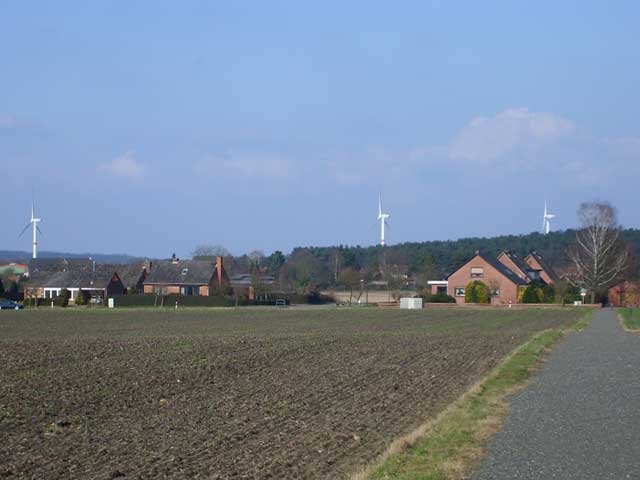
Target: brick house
x=625, y=294
x=134, y=274
x=542, y=269
x=48, y=277
x=517, y=265
x=185, y=277
x=503, y=283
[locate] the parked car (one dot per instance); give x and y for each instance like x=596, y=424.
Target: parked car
x=9, y=305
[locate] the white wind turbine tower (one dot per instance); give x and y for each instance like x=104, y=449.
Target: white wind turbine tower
x=546, y=219
x=383, y=220
x=34, y=223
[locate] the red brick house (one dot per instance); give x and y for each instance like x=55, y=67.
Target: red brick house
x=541, y=268
x=503, y=283
x=185, y=277
x=517, y=265
x=625, y=294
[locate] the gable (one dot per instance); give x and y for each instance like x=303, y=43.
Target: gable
x=469, y=270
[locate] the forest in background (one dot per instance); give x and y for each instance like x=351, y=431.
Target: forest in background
x=419, y=261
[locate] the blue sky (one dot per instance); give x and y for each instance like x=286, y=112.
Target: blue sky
x=150, y=127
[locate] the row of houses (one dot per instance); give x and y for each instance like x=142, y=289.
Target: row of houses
x=47, y=278
x=506, y=276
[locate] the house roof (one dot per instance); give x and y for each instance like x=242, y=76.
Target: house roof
x=545, y=266
x=131, y=273
x=63, y=273
x=182, y=272
x=520, y=264
x=246, y=279
x=503, y=269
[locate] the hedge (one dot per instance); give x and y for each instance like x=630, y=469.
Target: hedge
x=313, y=298
x=170, y=301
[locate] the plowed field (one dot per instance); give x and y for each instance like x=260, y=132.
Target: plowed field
x=234, y=394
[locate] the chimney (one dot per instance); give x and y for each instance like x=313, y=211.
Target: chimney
x=219, y=269
x=174, y=259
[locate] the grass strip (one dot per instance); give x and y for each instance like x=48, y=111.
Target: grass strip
x=454, y=441
x=630, y=318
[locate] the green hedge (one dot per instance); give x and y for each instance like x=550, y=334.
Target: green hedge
x=149, y=300
x=170, y=301
x=37, y=302
x=198, y=301
x=439, y=297
x=136, y=300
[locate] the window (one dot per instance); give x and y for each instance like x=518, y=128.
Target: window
x=190, y=290
x=495, y=292
x=185, y=271
x=459, y=291
x=477, y=272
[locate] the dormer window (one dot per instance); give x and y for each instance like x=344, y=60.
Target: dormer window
x=185, y=271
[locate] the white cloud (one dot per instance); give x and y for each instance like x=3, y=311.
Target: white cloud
x=486, y=139
x=125, y=165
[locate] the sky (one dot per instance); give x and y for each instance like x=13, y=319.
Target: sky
x=150, y=127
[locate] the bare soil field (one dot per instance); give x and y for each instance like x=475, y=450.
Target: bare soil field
x=235, y=394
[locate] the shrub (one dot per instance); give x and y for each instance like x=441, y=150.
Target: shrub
x=80, y=298
x=12, y=292
x=440, y=297
x=538, y=292
x=477, y=292
x=62, y=300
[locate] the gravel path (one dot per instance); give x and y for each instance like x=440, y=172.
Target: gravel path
x=580, y=417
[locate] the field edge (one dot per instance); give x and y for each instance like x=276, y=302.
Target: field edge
x=628, y=321
x=454, y=441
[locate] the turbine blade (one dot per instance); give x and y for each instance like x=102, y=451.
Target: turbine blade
x=24, y=229
x=39, y=231
x=379, y=205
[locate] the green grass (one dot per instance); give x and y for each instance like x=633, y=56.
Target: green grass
x=455, y=440
x=631, y=318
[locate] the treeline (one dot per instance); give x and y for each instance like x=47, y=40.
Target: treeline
x=416, y=261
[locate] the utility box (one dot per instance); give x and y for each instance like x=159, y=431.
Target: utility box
x=411, y=303
x=111, y=303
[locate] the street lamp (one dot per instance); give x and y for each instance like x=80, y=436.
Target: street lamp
x=583, y=294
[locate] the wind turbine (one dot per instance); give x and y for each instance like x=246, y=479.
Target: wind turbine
x=383, y=220
x=34, y=223
x=546, y=219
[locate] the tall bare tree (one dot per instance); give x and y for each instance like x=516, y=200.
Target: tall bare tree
x=599, y=254
x=208, y=252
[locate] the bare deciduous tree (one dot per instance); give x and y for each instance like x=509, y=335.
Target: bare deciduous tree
x=599, y=254
x=210, y=252
x=351, y=279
